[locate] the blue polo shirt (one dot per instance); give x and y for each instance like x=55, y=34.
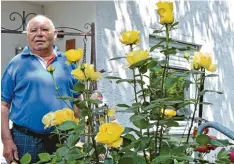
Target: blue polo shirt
x=30, y=90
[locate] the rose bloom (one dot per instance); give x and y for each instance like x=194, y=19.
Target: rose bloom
x=130, y=37
x=74, y=55
x=165, y=11
x=109, y=133
x=136, y=56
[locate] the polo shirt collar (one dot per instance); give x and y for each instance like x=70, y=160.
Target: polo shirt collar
x=27, y=51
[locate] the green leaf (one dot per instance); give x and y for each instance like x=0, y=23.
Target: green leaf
x=112, y=77
x=79, y=87
x=133, y=109
x=174, y=24
x=157, y=45
x=165, y=149
x=101, y=149
x=223, y=153
x=137, y=117
x=206, y=90
x=140, y=63
x=142, y=124
x=44, y=157
x=158, y=31
x=130, y=137
x=62, y=151
x=196, y=72
x=143, y=69
x=127, y=130
x=108, y=161
x=95, y=101
x=161, y=158
x=117, y=58
x=180, y=149
x=26, y=158
x=123, y=105
x=170, y=81
x=171, y=123
x=157, y=104
x=151, y=64
x=87, y=147
x=132, y=159
x=66, y=98
x=72, y=139
x=212, y=75
x=183, y=158
x=205, y=103
x=67, y=125
x=74, y=154
x=170, y=51
x=129, y=81
x=203, y=139
x=218, y=142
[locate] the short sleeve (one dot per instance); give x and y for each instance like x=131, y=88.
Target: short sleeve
x=7, y=86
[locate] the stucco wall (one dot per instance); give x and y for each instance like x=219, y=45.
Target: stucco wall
x=207, y=23
x=72, y=14
x=11, y=41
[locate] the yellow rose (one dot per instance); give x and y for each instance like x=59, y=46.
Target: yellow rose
x=165, y=11
x=63, y=115
x=130, y=37
x=136, y=56
x=96, y=76
x=74, y=55
x=205, y=60
x=50, y=69
x=212, y=68
x=196, y=60
x=48, y=119
x=78, y=74
x=169, y=112
x=111, y=112
x=90, y=73
x=116, y=143
x=109, y=133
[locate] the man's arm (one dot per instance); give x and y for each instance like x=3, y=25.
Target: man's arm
x=9, y=148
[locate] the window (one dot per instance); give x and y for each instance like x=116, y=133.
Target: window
x=177, y=63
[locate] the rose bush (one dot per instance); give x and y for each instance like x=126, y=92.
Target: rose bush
x=149, y=142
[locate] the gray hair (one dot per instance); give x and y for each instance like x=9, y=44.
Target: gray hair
x=41, y=17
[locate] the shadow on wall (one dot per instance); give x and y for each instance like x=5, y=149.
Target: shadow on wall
x=213, y=20
x=122, y=16
x=208, y=20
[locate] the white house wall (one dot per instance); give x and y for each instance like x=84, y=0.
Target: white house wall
x=72, y=14
x=207, y=23
x=11, y=41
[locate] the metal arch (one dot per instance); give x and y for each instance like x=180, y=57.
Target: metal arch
x=22, y=26
x=70, y=28
x=87, y=26
x=80, y=32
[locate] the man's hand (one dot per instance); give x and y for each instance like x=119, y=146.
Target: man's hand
x=10, y=152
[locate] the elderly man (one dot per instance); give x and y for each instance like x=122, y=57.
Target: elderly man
x=28, y=92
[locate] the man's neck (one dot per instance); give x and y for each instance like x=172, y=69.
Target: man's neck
x=44, y=54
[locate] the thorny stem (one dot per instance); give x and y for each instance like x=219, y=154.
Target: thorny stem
x=90, y=124
x=144, y=97
x=164, y=75
x=57, y=91
x=197, y=97
x=135, y=93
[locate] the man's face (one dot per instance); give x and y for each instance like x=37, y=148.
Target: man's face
x=41, y=34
